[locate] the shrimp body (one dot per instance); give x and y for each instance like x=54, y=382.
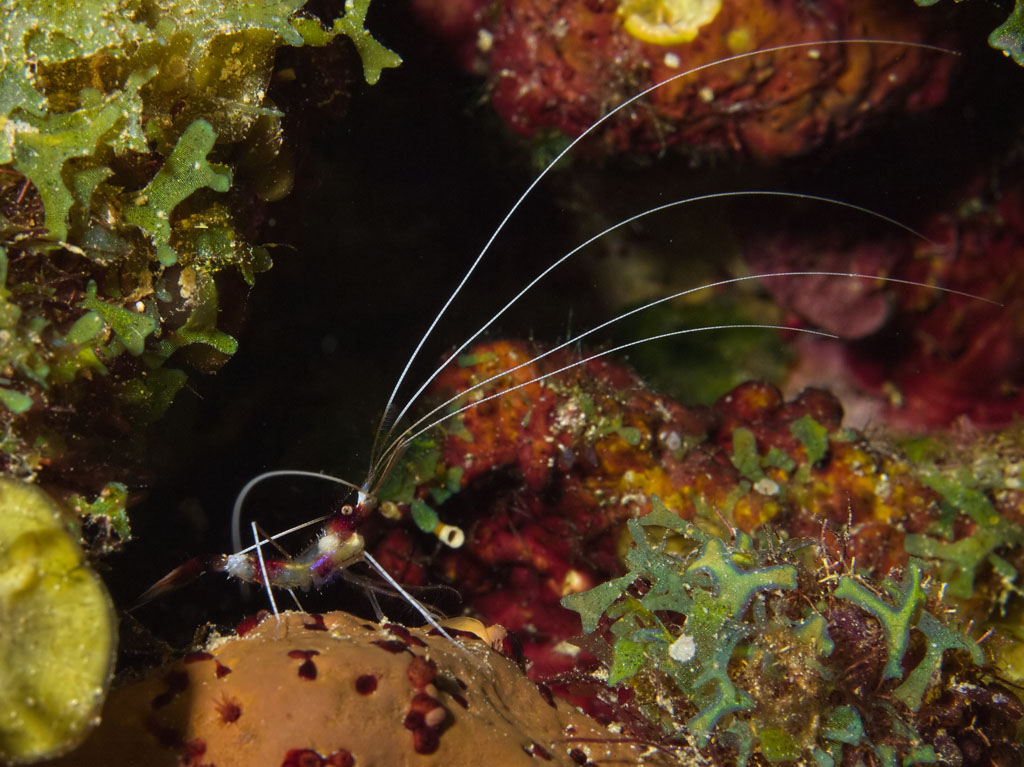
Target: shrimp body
x=317, y=565
x=337, y=547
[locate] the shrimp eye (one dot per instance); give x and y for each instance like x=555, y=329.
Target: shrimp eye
x=347, y=510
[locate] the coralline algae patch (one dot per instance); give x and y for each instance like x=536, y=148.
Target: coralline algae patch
x=544, y=479
x=335, y=691
x=558, y=65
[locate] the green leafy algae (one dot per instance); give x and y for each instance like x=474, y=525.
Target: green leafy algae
x=121, y=123
x=40, y=146
x=717, y=637
x=1008, y=37
x=130, y=328
x=420, y=463
x=744, y=454
x=926, y=673
x=185, y=171
x=109, y=506
x=375, y=56
x=896, y=619
x=424, y=516
x=812, y=435
x=961, y=560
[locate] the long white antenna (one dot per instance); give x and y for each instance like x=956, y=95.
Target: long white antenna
x=400, y=442
x=501, y=226
x=404, y=441
x=236, y=511
x=630, y=220
x=289, y=531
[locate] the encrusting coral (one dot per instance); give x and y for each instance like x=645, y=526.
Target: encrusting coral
x=557, y=65
x=335, y=691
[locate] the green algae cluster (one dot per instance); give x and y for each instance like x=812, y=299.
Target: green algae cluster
x=123, y=124
x=57, y=630
x=771, y=649
x=979, y=485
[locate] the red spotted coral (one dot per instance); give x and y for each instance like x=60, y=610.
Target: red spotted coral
x=334, y=691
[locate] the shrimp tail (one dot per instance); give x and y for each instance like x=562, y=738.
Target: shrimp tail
x=182, y=576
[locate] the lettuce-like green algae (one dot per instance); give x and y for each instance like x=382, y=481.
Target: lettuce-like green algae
x=712, y=642
x=57, y=630
x=121, y=125
x=185, y=171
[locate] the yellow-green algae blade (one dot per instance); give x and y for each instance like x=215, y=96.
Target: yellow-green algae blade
x=57, y=630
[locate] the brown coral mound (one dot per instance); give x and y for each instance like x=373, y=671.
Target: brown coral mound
x=334, y=690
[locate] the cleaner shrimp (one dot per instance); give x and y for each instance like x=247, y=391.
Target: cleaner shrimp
x=341, y=542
